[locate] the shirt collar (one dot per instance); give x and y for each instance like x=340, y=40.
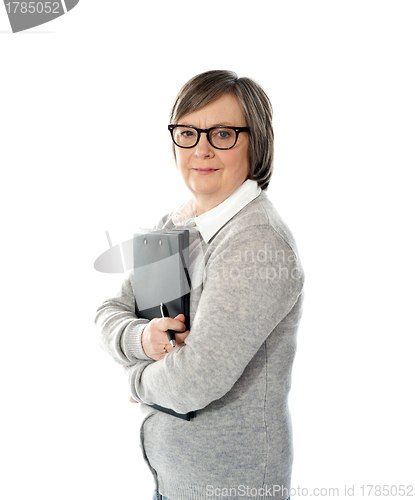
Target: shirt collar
x=210, y=222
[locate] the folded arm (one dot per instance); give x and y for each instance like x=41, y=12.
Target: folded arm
x=242, y=302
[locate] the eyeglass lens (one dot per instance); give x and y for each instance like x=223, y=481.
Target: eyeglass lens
x=221, y=137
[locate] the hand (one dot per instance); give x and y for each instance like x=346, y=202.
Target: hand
x=154, y=337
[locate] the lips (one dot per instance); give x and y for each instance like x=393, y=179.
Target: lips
x=205, y=171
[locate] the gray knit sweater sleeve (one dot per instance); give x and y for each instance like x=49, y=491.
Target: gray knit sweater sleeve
x=120, y=329
x=245, y=295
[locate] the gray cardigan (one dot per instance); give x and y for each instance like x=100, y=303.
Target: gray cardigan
x=235, y=369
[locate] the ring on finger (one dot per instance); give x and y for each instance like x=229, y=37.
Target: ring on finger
x=164, y=349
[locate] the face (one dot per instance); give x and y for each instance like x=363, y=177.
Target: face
x=212, y=175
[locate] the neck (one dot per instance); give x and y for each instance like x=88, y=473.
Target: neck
x=205, y=202
x=204, y=205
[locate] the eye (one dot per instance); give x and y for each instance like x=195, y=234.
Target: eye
x=221, y=133
x=186, y=132
x=184, y=136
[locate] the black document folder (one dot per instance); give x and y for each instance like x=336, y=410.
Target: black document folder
x=161, y=276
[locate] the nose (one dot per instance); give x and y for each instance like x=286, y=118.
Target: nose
x=203, y=148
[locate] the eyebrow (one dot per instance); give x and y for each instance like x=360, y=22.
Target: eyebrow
x=221, y=124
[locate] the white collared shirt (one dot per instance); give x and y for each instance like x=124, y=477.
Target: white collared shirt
x=210, y=222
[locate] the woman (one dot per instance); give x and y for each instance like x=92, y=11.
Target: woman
x=233, y=368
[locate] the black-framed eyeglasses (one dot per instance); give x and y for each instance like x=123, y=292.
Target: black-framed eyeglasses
x=186, y=136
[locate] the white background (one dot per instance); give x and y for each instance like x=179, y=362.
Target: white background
x=84, y=104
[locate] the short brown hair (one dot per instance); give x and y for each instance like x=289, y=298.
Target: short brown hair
x=205, y=88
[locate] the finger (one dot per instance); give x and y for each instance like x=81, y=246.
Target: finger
x=180, y=344
x=171, y=324
x=181, y=337
x=180, y=317
x=133, y=400
x=166, y=348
